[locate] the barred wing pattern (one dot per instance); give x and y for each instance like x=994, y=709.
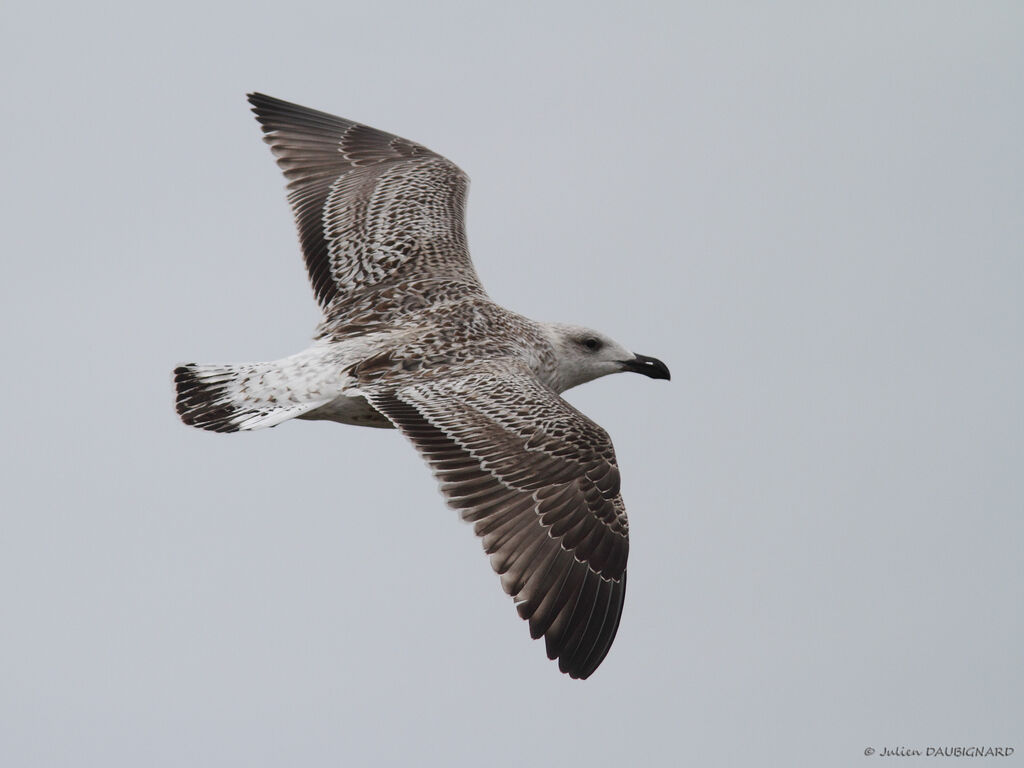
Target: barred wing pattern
x=369, y=206
x=540, y=483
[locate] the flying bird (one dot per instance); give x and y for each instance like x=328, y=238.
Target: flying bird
x=410, y=340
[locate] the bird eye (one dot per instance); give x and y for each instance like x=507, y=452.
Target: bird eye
x=591, y=343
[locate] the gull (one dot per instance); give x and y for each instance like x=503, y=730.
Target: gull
x=410, y=340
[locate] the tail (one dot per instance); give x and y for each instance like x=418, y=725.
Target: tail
x=230, y=398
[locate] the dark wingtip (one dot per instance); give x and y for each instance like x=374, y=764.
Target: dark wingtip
x=257, y=99
x=262, y=104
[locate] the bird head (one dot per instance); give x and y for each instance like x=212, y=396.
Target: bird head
x=583, y=354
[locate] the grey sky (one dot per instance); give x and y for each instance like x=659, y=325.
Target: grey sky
x=813, y=215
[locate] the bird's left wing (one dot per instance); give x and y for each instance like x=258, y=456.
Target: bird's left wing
x=540, y=482
x=371, y=208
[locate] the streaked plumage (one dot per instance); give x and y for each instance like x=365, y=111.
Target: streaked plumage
x=411, y=340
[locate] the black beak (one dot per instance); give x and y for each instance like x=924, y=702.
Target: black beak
x=648, y=366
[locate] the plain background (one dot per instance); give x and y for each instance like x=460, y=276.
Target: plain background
x=811, y=212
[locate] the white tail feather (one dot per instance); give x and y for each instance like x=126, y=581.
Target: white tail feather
x=230, y=398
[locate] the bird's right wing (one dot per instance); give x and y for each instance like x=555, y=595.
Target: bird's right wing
x=371, y=208
x=540, y=482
